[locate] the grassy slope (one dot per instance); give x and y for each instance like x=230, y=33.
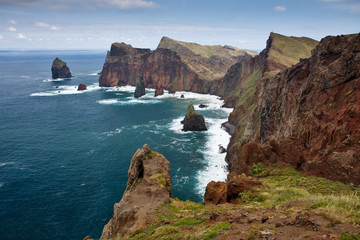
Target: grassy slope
x=285, y=194
x=287, y=51
x=194, y=54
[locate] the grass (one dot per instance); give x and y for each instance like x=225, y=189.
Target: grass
x=349, y=236
x=287, y=51
x=160, y=179
x=209, y=62
x=334, y=200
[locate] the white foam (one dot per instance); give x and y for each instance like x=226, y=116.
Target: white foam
x=95, y=73
x=216, y=167
x=128, y=101
x=6, y=163
x=66, y=90
x=113, y=133
x=1, y=184
x=55, y=80
x=119, y=89
x=177, y=126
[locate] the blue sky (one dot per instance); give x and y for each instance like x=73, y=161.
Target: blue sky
x=95, y=24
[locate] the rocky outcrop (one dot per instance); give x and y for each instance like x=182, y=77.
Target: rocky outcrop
x=307, y=116
x=139, y=90
x=81, y=87
x=223, y=192
x=149, y=185
x=193, y=121
x=159, y=91
x=59, y=69
x=174, y=65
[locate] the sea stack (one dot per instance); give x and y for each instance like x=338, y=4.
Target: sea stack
x=193, y=121
x=81, y=87
x=139, y=90
x=60, y=70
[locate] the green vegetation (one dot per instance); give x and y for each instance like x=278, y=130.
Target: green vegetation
x=286, y=51
x=151, y=154
x=182, y=220
x=214, y=231
x=160, y=179
x=349, y=236
x=336, y=201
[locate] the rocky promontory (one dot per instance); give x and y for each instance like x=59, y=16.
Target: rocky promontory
x=193, y=121
x=148, y=186
x=174, y=65
x=59, y=69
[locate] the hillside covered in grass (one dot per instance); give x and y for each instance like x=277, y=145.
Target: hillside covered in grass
x=290, y=205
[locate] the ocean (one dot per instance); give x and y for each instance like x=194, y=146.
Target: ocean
x=64, y=154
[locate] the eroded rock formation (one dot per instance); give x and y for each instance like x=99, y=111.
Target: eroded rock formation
x=59, y=69
x=149, y=185
x=193, y=121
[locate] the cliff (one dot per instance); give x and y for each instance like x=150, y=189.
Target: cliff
x=149, y=186
x=59, y=69
x=306, y=116
x=174, y=65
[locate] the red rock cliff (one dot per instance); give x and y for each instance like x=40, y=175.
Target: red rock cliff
x=174, y=65
x=307, y=116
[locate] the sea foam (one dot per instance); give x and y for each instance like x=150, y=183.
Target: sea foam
x=66, y=90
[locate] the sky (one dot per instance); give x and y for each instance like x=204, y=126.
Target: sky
x=96, y=24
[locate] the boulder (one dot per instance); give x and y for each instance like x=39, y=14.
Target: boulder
x=182, y=96
x=59, y=69
x=193, y=121
x=222, y=149
x=81, y=87
x=238, y=184
x=159, y=91
x=148, y=186
x=215, y=193
x=203, y=106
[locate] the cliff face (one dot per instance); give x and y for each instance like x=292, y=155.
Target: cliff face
x=149, y=186
x=174, y=65
x=306, y=116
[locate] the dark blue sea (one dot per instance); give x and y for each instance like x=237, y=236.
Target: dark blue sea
x=64, y=154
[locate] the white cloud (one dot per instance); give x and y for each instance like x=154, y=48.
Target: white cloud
x=280, y=8
x=1, y=36
x=12, y=29
x=21, y=36
x=42, y=24
x=46, y=25
x=13, y=22
x=55, y=28
x=127, y=4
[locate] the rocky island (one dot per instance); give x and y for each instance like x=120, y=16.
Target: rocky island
x=59, y=69
x=294, y=154
x=193, y=121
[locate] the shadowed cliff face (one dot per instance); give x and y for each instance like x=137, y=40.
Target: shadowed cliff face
x=174, y=65
x=306, y=116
